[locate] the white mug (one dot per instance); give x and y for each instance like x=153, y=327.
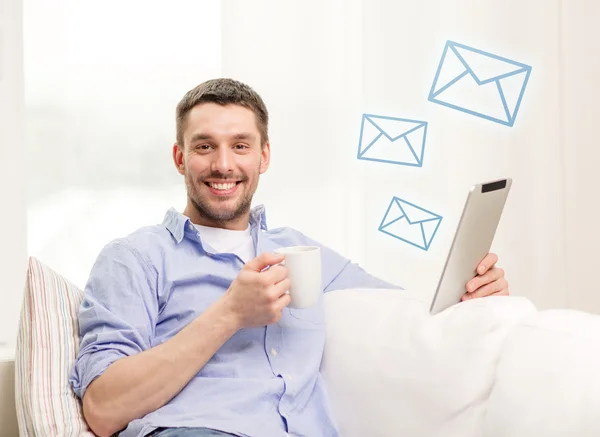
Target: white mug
x=304, y=272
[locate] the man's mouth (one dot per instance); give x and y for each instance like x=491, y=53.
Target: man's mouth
x=223, y=188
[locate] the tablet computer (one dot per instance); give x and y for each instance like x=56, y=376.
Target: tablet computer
x=472, y=241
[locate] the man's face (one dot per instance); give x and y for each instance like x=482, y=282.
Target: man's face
x=222, y=159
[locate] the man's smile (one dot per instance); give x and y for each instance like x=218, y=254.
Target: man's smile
x=222, y=188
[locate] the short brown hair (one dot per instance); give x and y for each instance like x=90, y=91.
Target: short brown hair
x=223, y=92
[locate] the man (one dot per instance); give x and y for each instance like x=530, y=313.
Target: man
x=185, y=331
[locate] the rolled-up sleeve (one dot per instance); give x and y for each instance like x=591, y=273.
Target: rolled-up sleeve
x=118, y=313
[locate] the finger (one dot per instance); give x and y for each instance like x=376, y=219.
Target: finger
x=264, y=260
x=487, y=263
x=283, y=301
x=281, y=289
x=489, y=289
x=275, y=274
x=481, y=280
x=503, y=292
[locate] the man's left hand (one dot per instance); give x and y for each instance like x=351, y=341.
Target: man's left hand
x=490, y=280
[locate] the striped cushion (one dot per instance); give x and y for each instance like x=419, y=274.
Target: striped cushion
x=47, y=344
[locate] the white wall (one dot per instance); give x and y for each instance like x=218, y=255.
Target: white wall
x=320, y=64
x=13, y=170
x=301, y=58
x=462, y=149
x=580, y=94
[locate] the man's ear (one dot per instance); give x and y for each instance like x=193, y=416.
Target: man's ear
x=178, y=158
x=265, y=157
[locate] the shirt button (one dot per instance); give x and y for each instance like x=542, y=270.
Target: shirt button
x=273, y=352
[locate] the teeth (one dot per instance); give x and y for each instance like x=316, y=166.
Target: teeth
x=222, y=186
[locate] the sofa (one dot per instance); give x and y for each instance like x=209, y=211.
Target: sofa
x=8, y=414
x=493, y=367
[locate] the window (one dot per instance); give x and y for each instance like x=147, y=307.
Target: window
x=102, y=79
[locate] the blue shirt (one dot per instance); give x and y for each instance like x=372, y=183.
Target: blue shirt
x=263, y=382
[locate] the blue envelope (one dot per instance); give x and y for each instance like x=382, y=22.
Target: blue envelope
x=479, y=83
x=410, y=223
x=392, y=140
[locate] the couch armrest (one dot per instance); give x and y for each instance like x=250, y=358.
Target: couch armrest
x=8, y=415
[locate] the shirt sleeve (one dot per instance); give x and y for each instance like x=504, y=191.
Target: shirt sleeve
x=353, y=276
x=339, y=272
x=118, y=313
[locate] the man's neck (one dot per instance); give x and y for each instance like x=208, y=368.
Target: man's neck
x=238, y=224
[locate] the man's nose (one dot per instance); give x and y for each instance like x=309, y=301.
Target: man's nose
x=223, y=162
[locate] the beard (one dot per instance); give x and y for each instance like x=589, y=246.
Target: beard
x=211, y=210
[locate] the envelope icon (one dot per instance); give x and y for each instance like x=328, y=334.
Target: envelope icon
x=392, y=140
x=410, y=223
x=479, y=83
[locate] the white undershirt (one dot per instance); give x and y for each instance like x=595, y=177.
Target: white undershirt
x=228, y=241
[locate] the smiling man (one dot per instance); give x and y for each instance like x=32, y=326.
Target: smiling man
x=184, y=330
x=221, y=151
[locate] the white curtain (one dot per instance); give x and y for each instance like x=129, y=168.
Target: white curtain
x=102, y=79
x=321, y=64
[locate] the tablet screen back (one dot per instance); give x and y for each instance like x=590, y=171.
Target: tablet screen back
x=472, y=241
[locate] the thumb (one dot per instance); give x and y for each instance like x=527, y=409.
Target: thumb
x=264, y=260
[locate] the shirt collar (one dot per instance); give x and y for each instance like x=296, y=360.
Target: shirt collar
x=178, y=224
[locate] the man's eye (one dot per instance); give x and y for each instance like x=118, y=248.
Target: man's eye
x=203, y=147
x=241, y=146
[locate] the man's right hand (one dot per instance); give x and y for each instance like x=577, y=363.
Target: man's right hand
x=257, y=297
